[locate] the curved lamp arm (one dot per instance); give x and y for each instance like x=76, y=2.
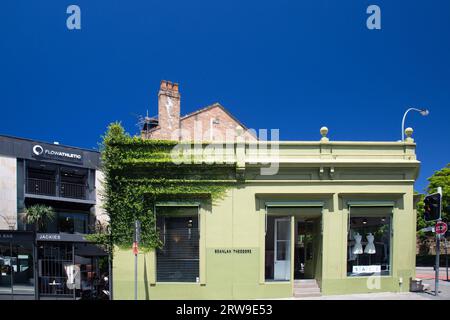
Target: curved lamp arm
x=423, y=112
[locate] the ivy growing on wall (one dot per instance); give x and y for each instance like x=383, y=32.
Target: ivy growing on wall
x=138, y=173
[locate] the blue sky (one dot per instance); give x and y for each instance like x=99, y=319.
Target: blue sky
x=292, y=65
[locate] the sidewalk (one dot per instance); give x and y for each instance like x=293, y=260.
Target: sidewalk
x=429, y=273
x=373, y=296
x=425, y=273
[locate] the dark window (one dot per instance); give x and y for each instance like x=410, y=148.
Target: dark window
x=22, y=262
x=41, y=179
x=178, y=259
x=73, y=183
x=56, y=181
x=72, y=222
x=57, y=272
x=369, y=241
x=6, y=269
x=16, y=268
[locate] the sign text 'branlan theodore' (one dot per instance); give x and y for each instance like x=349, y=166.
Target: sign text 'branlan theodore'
x=238, y=251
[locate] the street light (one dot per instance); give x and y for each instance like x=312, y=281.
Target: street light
x=423, y=112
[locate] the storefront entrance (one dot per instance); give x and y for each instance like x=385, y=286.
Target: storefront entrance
x=293, y=243
x=304, y=253
x=71, y=271
x=16, y=265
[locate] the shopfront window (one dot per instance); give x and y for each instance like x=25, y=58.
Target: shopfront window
x=72, y=271
x=22, y=263
x=369, y=241
x=6, y=269
x=178, y=258
x=16, y=268
x=72, y=222
x=57, y=273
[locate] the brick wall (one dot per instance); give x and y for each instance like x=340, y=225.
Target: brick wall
x=212, y=123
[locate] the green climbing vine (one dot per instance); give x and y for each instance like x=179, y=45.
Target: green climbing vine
x=138, y=173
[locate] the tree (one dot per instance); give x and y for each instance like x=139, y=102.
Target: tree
x=441, y=178
x=38, y=214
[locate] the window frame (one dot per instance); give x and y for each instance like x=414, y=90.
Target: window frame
x=372, y=204
x=264, y=205
x=200, y=244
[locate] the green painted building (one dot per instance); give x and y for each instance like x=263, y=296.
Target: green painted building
x=336, y=215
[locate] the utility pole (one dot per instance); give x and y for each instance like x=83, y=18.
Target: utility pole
x=438, y=238
x=137, y=239
x=446, y=257
x=436, y=279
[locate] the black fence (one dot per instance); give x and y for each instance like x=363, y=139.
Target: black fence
x=52, y=188
x=430, y=260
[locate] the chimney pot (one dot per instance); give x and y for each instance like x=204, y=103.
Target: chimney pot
x=168, y=109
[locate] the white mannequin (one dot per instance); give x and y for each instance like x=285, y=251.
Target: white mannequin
x=351, y=256
x=357, y=248
x=370, y=247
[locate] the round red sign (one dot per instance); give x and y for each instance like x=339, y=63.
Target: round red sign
x=135, y=248
x=441, y=227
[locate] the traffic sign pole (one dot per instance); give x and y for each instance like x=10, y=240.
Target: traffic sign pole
x=436, y=280
x=137, y=239
x=438, y=249
x=446, y=257
x=135, y=271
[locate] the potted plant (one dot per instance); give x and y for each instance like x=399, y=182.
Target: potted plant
x=37, y=215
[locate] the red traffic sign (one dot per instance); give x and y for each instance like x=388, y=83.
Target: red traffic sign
x=135, y=248
x=441, y=227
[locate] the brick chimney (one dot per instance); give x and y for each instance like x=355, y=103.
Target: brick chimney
x=168, y=108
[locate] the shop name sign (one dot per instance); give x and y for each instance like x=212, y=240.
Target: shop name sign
x=55, y=153
x=60, y=237
x=228, y=251
x=366, y=269
x=49, y=236
x=16, y=235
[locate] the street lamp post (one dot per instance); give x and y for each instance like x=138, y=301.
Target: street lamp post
x=423, y=112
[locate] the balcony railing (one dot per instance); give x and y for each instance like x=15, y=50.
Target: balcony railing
x=41, y=187
x=51, y=188
x=72, y=190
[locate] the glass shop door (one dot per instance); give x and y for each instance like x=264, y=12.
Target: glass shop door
x=282, y=245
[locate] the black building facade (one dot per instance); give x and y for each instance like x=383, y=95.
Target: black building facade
x=53, y=260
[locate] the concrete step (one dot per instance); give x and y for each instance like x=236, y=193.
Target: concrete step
x=309, y=281
x=306, y=288
x=305, y=283
x=306, y=295
x=305, y=280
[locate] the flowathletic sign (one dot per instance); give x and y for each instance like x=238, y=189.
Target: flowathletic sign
x=54, y=152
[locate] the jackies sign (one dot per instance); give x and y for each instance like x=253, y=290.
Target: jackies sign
x=53, y=152
x=60, y=237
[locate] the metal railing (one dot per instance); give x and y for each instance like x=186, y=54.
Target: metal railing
x=72, y=190
x=54, y=189
x=41, y=187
